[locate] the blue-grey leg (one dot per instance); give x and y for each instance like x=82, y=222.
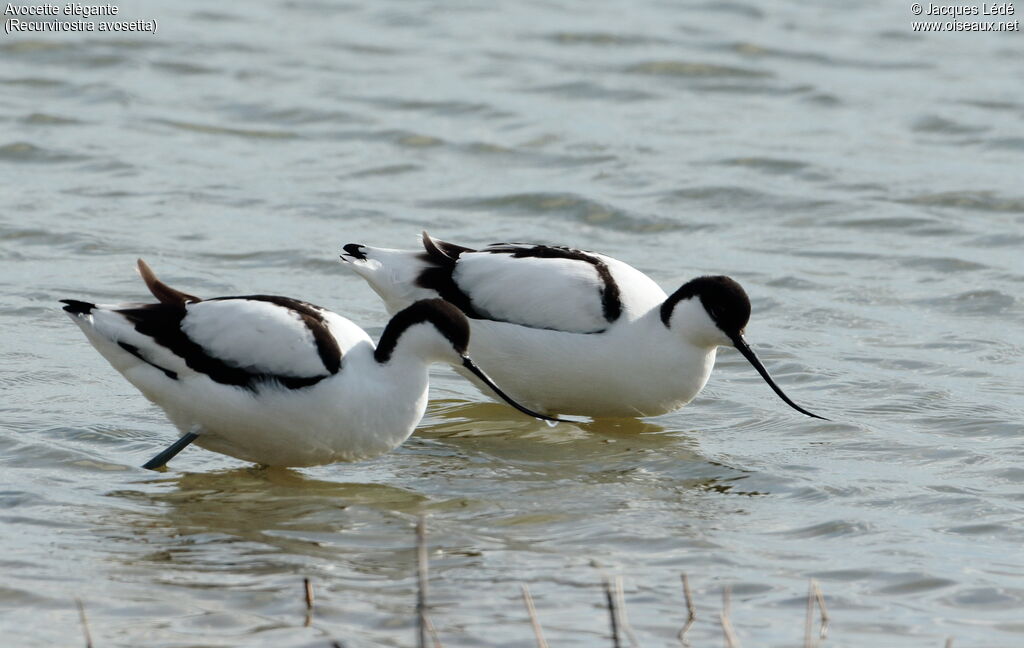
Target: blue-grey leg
x=161, y=459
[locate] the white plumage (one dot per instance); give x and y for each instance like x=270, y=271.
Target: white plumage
x=565, y=294
x=274, y=339
x=569, y=331
x=275, y=380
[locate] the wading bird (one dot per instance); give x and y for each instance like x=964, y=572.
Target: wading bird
x=275, y=380
x=572, y=332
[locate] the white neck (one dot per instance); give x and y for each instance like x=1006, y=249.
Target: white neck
x=648, y=378
x=691, y=322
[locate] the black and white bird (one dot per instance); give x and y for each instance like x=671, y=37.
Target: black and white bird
x=568, y=331
x=275, y=380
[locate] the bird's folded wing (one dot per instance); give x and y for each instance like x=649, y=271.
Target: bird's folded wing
x=239, y=340
x=550, y=287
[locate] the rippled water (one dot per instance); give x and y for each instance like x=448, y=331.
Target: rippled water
x=862, y=182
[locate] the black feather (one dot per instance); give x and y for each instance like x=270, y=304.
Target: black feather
x=76, y=307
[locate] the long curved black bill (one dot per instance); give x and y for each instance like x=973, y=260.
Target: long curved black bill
x=478, y=372
x=748, y=353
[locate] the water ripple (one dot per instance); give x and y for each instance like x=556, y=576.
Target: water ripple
x=740, y=199
x=830, y=529
x=602, y=39
x=25, y=152
x=588, y=90
x=987, y=201
x=244, y=147
x=753, y=50
x=44, y=119
x=768, y=165
x=226, y=130
x=974, y=302
x=561, y=205
x=693, y=70
x=941, y=125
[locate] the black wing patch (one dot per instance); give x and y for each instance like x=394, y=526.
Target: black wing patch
x=611, y=299
x=312, y=317
x=444, y=256
x=438, y=276
x=134, y=350
x=162, y=323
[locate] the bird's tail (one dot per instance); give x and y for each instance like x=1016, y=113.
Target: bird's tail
x=77, y=307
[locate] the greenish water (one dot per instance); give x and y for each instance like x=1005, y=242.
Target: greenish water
x=860, y=180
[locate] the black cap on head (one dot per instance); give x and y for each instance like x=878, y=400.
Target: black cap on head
x=448, y=320
x=724, y=300
x=453, y=325
x=729, y=307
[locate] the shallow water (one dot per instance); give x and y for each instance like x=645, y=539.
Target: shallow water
x=860, y=180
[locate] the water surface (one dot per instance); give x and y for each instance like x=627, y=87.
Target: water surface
x=861, y=181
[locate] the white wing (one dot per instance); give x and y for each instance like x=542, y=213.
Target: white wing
x=537, y=286
x=261, y=337
x=553, y=293
x=553, y=287
x=241, y=341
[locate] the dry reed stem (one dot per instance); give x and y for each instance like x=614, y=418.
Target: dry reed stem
x=820, y=597
x=691, y=612
x=620, y=604
x=432, y=632
x=809, y=617
x=426, y=628
x=421, y=591
x=85, y=623
x=308, y=590
x=730, y=635
x=534, y=621
x=815, y=597
x=613, y=614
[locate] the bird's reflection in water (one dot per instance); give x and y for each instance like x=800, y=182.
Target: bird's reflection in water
x=266, y=518
x=467, y=456
x=492, y=427
x=596, y=451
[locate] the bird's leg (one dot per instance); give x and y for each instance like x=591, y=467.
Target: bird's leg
x=161, y=459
